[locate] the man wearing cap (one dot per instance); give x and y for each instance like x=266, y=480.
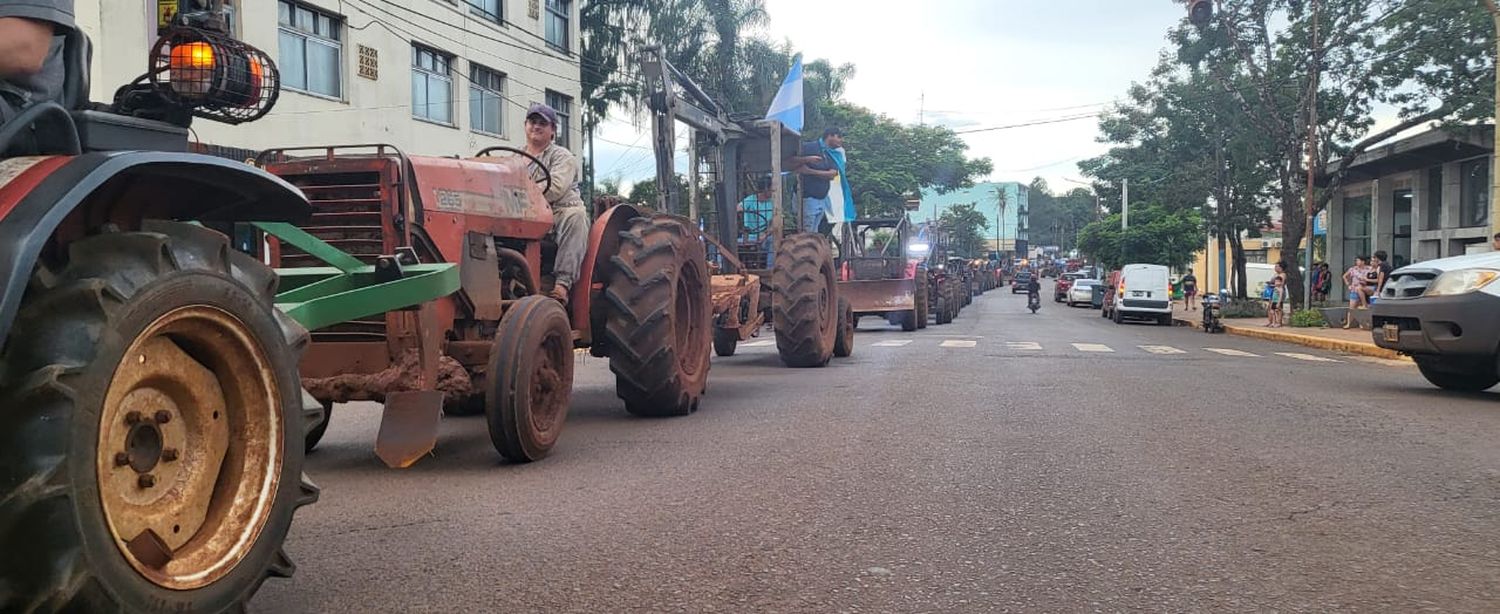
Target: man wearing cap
x=570, y=220
x=31, y=42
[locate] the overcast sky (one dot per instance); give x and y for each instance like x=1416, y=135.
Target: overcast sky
x=970, y=64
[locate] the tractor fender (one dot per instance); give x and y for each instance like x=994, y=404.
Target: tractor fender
x=34, y=201
x=604, y=240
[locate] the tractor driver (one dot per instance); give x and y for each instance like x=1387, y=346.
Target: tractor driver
x=570, y=219
x=31, y=52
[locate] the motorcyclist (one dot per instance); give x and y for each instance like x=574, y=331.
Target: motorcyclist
x=1033, y=290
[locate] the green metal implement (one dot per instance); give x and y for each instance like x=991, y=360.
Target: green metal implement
x=349, y=289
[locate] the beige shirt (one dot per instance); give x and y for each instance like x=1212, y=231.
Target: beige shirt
x=565, y=176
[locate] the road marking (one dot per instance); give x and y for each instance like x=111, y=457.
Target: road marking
x=760, y=344
x=1307, y=357
x=1023, y=345
x=1092, y=347
x=894, y=343
x=958, y=343
x=1162, y=349
x=1229, y=352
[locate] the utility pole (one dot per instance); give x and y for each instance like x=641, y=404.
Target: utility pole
x=1495, y=152
x=1312, y=160
x=1124, y=204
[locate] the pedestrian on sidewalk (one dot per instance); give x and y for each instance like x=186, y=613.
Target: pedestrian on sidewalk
x=1189, y=290
x=1274, y=315
x=1382, y=265
x=1322, y=282
x=1354, y=279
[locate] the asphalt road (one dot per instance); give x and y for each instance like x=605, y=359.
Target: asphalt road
x=990, y=465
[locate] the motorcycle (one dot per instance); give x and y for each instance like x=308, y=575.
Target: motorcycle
x=1034, y=302
x=1213, y=313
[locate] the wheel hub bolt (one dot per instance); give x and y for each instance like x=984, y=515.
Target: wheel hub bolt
x=169, y=454
x=146, y=480
x=121, y=459
x=133, y=417
x=163, y=417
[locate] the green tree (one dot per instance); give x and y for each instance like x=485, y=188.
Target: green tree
x=966, y=225
x=1157, y=235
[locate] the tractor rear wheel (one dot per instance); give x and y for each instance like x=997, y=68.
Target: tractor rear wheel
x=805, y=303
x=658, y=319
x=530, y=379
x=726, y=340
x=315, y=434
x=843, y=342
x=921, y=298
x=151, y=444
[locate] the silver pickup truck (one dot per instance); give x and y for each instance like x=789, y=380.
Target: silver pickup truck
x=1445, y=314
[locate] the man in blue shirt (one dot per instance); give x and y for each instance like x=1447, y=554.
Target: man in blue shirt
x=818, y=172
x=755, y=212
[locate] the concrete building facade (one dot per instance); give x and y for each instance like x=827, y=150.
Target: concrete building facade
x=1420, y=198
x=434, y=77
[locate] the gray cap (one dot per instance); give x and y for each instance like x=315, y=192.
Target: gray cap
x=545, y=111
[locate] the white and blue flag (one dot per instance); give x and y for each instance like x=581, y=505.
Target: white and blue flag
x=787, y=106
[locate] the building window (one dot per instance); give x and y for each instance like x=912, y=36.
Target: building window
x=312, y=54
x=1432, y=203
x=1356, y=227
x=564, y=107
x=486, y=100
x=488, y=9
x=1474, y=193
x=558, y=13
x=431, y=85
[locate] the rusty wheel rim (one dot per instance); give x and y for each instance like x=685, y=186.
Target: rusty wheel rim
x=549, y=388
x=190, y=448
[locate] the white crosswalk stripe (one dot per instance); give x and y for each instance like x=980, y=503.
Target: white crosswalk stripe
x=1162, y=349
x=1229, y=352
x=760, y=344
x=959, y=343
x=1092, y=347
x=1023, y=345
x=1307, y=357
x=892, y=343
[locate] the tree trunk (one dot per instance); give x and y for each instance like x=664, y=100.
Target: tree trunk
x=1237, y=253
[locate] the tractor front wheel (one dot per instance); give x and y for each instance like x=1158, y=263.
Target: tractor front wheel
x=726, y=340
x=530, y=379
x=151, y=444
x=843, y=342
x=805, y=305
x=658, y=318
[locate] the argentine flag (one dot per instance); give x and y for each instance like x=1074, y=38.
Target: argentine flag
x=787, y=106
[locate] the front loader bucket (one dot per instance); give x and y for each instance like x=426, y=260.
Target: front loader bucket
x=879, y=296
x=408, y=428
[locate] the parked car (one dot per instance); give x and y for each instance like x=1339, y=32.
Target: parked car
x=1081, y=292
x=1442, y=314
x=1060, y=289
x=1141, y=292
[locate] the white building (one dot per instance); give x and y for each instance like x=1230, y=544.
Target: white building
x=434, y=77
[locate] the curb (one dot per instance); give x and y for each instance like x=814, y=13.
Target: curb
x=1336, y=345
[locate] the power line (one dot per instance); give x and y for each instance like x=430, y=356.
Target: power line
x=1026, y=124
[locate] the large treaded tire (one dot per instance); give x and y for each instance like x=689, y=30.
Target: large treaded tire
x=72, y=332
x=805, y=301
x=1459, y=375
x=726, y=341
x=658, y=320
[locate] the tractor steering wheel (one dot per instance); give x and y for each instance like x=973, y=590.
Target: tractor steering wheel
x=545, y=181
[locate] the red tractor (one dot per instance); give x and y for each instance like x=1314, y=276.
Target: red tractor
x=151, y=415
x=497, y=346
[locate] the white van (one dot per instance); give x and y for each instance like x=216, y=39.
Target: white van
x=1143, y=292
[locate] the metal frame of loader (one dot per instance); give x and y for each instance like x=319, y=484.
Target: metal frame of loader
x=890, y=286
x=811, y=322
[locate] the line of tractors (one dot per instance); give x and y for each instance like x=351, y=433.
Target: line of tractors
x=176, y=329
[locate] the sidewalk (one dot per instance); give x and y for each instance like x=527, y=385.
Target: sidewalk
x=1348, y=341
